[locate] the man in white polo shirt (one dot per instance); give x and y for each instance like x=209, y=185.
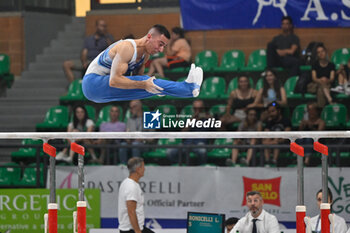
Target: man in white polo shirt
x=131, y=213
x=257, y=220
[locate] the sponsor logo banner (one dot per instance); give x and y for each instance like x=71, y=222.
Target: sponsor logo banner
x=170, y=192
x=22, y=210
x=269, y=189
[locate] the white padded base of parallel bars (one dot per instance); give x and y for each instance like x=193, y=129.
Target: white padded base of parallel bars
x=325, y=206
x=300, y=208
x=81, y=204
x=52, y=206
x=46, y=219
x=307, y=221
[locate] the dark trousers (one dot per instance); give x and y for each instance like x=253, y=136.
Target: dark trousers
x=145, y=230
x=274, y=60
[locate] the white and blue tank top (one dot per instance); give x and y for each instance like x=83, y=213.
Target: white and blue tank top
x=102, y=64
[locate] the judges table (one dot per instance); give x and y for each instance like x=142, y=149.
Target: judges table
x=165, y=230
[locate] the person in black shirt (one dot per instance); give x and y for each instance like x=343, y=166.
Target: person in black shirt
x=238, y=101
x=323, y=74
x=283, y=50
x=275, y=122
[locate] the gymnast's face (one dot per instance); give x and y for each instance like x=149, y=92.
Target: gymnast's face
x=156, y=43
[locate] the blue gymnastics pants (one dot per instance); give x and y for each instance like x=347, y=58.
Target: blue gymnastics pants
x=96, y=88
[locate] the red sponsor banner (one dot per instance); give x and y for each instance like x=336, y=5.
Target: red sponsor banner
x=269, y=189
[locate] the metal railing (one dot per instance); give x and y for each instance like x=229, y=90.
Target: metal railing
x=183, y=154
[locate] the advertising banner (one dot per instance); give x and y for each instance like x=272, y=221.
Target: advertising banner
x=241, y=14
x=171, y=192
x=22, y=210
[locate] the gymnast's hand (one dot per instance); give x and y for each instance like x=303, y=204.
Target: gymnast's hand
x=151, y=87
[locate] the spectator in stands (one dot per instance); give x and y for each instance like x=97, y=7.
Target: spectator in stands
x=323, y=74
x=230, y=223
x=250, y=123
x=283, y=50
x=81, y=123
x=238, y=101
x=257, y=219
x=133, y=124
x=343, y=79
x=178, y=54
x=272, y=91
x=199, y=114
x=113, y=126
x=312, y=122
x=339, y=223
x=275, y=122
x=93, y=45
